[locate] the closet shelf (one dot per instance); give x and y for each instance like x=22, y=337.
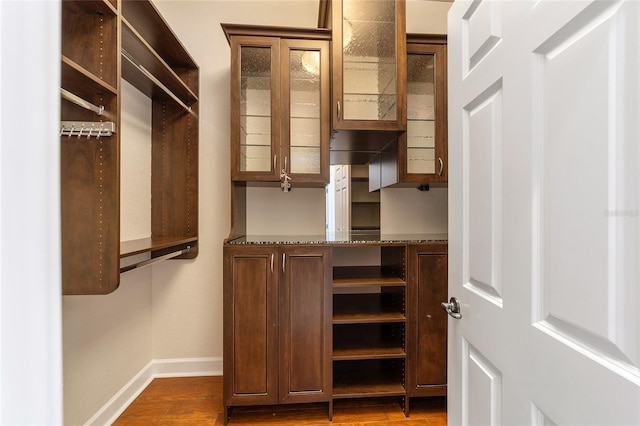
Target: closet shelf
x=74, y=75
x=151, y=26
x=145, y=245
x=147, y=57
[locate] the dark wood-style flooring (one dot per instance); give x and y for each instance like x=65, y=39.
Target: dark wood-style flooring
x=198, y=401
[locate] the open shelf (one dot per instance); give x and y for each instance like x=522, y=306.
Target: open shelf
x=144, y=245
x=89, y=27
x=368, y=341
x=366, y=308
x=371, y=378
x=151, y=27
x=357, y=276
x=146, y=58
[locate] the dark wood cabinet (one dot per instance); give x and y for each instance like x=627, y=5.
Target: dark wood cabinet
x=104, y=42
x=419, y=157
x=427, y=330
x=422, y=150
x=279, y=104
x=318, y=323
x=368, y=64
x=277, y=325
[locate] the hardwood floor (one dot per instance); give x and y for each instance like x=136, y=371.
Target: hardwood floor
x=198, y=401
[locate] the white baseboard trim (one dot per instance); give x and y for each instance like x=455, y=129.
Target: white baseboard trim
x=176, y=367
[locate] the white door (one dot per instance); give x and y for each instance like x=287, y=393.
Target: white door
x=544, y=189
x=343, y=198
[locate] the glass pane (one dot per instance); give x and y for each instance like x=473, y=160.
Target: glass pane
x=255, y=109
x=369, y=60
x=420, y=114
x=304, y=120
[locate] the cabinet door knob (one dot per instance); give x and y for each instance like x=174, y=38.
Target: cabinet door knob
x=283, y=258
x=275, y=165
x=441, y=166
x=272, y=258
x=339, y=112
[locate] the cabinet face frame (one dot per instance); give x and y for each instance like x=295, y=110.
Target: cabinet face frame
x=237, y=43
x=439, y=52
x=339, y=123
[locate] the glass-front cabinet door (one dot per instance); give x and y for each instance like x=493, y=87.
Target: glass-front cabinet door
x=305, y=107
x=369, y=64
x=255, y=97
x=280, y=125
x=422, y=150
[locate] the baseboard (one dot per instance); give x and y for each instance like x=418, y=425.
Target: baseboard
x=178, y=367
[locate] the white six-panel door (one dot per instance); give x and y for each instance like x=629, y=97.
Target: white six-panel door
x=544, y=212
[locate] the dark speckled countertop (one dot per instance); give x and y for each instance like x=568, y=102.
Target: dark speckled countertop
x=354, y=237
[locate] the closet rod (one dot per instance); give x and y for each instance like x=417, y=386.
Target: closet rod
x=155, y=81
x=155, y=260
x=81, y=102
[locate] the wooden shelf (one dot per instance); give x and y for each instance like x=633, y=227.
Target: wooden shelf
x=367, y=389
x=154, y=29
x=364, y=308
x=364, y=379
x=144, y=245
x=355, y=352
x=146, y=56
x=87, y=25
x=74, y=75
x=368, y=341
x=358, y=276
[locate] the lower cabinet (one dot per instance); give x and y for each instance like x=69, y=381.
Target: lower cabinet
x=277, y=325
x=427, y=321
x=299, y=329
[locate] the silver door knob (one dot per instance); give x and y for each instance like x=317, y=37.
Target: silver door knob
x=452, y=308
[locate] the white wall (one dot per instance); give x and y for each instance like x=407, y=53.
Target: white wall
x=174, y=309
x=30, y=284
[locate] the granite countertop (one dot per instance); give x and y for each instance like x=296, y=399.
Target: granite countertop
x=353, y=237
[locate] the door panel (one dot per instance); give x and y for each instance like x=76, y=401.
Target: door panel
x=305, y=327
x=544, y=202
x=482, y=155
x=250, y=333
x=482, y=399
x=427, y=322
x=587, y=194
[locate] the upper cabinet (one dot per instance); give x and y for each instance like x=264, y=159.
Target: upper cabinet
x=103, y=42
x=279, y=104
x=419, y=157
x=422, y=150
x=368, y=76
x=369, y=64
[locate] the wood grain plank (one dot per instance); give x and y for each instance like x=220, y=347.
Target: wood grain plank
x=198, y=401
